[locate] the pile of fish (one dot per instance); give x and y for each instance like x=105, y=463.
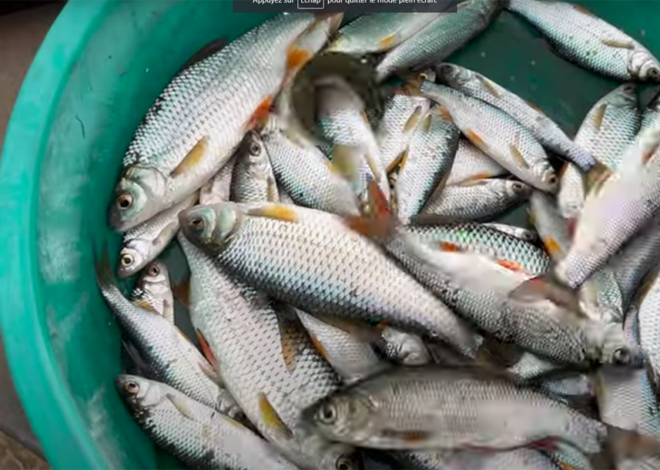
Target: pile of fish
x=355, y=301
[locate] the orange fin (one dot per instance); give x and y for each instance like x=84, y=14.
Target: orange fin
x=444, y=113
x=596, y=177
x=534, y=107
x=377, y=220
x=564, y=168
x=511, y=265
x=182, y=292
x=271, y=418
x=413, y=120
x=289, y=342
x=518, y=156
x=582, y=9
x=547, y=288
x=387, y=42
x=206, y=349
x=552, y=247
x=275, y=211
x=398, y=162
x=260, y=115
x=599, y=116
x=447, y=246
x=476, y=140
x=296, y=58
x=193, y=158
x=407, y=436
x=318, y=345
x=143, y=303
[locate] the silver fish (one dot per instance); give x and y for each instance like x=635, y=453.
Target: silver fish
x=266, y=361
x=649, y=331
x=525, y=234
x=506, y=249
x=456, y=408
x=588, y=41
x=404, y=109
x=403, y=348
x=471, y=164
x=198, y=435
x=171, y=358
x=519, y=459
x=498, y=135
x=153, y=290
x=253, y=179
x=293, y=254
x=544, y=129
x=426, y=163
x=145, y=242
x=545, y=216
x=440, y=38
x=651, y=112
x=218, y=189
x=378, y=32
x=193, y=127
x=480, y=200
x=305, y=173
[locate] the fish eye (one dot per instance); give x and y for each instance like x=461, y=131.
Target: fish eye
x=196, y=223
x=517, y=187
x=126, y=260
x=254, y=149
x=654, y=72
x=552, y=180
x=124, y=201
x=132, y=387
x=154, y=270
x=629, y=88
x=327, y=414
x=344, y=463
x=622, y=356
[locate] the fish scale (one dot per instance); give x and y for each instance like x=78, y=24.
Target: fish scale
x=485, y=240
x=195, y=433
x=245, y=334
x=188, y=135
x=583, y=38
x=470, y=163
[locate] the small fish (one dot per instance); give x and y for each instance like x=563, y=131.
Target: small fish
x=431, y=407
x=426, y=164
x=471, y=164
x=480, y=200
x=145, y=242
x=269, y=247
x=198, y=435
x=550, y=225
x=525, y=234
x=195, y=124
x=305, y=173
x=614, y=214
x=218, y=189
x=170, y=356
x=404, y=109
x=153, y=290
x=484, y=239
x=253, y=179
x=581, y=37
x=498, y=135
x=544, y=129
x=440, y=38
x=378, y=32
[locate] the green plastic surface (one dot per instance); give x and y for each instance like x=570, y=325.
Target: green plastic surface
x=99, y=69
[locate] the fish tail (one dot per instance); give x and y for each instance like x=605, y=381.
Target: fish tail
x=547, y=287
x=624, y=444
x=105, y=277
x=596, y=176
x=377, y=221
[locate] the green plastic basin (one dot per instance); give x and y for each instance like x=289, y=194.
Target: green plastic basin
x=101, y=66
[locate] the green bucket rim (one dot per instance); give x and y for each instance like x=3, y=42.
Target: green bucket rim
x=64, y=436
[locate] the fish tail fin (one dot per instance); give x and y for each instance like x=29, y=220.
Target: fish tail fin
x=377, y=221
x=596, y=176
x=547, y=287
x=624, y=444
x=105, y=276
x=181, y=291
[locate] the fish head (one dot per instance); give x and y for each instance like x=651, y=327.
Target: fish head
x=454, y=75
x=139, y=196
x=211, y=227
x=546, y=176
x=331, y=455
x=255, y=156
x=624, y=96
x=409, y=349
x=642, y=65
x=138, y=392
x=155, y=281
x=617, y=350
x=347, y=417
x=133, y=256
x=510, y=188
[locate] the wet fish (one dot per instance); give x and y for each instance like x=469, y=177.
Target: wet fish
x=265, y=359
x=482, y=238
x=253, y=179
x=651, y=112
x=649, y=332
x=145, y=242
x=198, y=435
x=403, y=348
x=612, y=215
x=457, y=409
x=378, y=32
x=153, y=290
x=544, y=129
x=581, y=37
x=480, y=200
x=193, y=127
x=426, y=163
x=525, y=234
x=218, y=189
x=440, y=38
x=471, y=164
x=498, y=135
x=294, y=254
x=404, y=109
x=170, y=357
x=305, y=173
x=545, y=216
